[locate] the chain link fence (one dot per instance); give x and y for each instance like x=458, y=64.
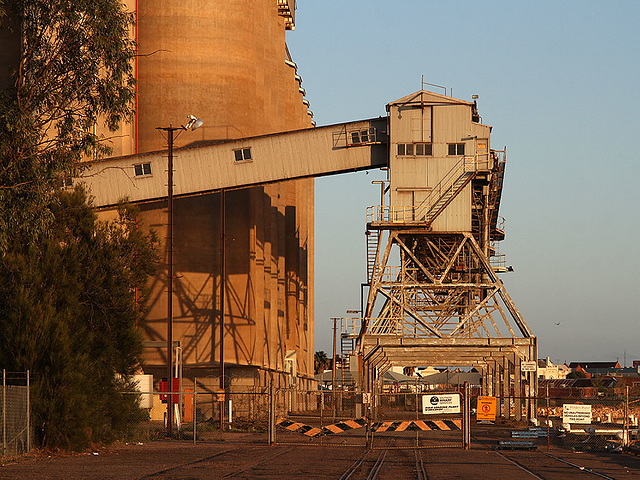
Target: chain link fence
x=602, y=422
x=571, y=421
x=14, y=405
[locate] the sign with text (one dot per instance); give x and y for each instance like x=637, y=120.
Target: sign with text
x=528, y=366
x=576, y=413
x=486, y=409
x=449, y=403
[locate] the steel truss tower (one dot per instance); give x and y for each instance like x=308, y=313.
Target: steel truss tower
x=434, y=297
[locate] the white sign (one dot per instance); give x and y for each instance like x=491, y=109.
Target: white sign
x=528, y=366
x=449, y=403
x=576, y=413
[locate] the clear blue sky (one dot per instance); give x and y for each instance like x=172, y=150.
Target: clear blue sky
x=560, y=83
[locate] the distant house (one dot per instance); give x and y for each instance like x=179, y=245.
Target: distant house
x=571, y=388
x=594, y=368
x=588, y=365
x=548, y=371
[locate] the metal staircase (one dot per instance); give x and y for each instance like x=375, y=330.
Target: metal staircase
x=373, y=241
x=447, y=189
x=495, y=194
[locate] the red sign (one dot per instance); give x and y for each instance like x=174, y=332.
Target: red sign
x=175, y=398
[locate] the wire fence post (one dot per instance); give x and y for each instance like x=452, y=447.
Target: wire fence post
x=626, y=417
x=4, y=412
x=28, y=411
x=195, y=405
x=466, y=419
x=548, y=426
x=272, y=414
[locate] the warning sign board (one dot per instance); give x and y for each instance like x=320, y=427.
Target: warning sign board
x=449, y=403
x=528, y=366
x=576, y=413
x=486, y=409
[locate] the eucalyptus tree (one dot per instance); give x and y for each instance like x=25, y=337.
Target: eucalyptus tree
x=72, y=288
x=69, y=65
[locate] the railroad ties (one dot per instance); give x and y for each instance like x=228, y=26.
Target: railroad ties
x=341, y=427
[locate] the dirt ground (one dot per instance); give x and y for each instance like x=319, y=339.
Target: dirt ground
x=238, y=455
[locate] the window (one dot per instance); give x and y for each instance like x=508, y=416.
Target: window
x=242, y=154
x=415, y=149
x=67, y=182
x=142, y=169
x=456, y=149
x=424, y=149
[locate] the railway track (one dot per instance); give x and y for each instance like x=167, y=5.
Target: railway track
x=524, y=463
x=253, y=465
x=387, y=462
x=180, y=467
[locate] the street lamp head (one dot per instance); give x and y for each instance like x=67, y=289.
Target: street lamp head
x=193, y=123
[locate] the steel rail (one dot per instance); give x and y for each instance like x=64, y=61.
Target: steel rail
x=375, y=470
x=421, y=473
x=194, y=462
x=354, y=466
x=579, y=467
x=268, y=458
x=373, y=473
x=520, y=466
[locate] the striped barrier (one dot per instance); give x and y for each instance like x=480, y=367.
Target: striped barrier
x=415, y=425
x=310, y=431
x=340, y=427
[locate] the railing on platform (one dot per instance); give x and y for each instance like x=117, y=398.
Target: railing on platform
x=441, y=194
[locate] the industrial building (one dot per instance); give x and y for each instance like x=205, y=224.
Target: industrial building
x=237, y=286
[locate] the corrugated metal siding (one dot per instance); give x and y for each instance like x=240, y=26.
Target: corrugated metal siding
x=451, y=123
x=274, y=157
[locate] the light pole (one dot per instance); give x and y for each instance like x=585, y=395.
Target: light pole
x=192, y=124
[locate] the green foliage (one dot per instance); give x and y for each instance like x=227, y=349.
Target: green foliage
x=73, y=70
x=69, y=308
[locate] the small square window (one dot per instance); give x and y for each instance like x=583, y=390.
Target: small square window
x=456, y=149
x=428, y=149
x=142, y=169
x=242, y=154
x=409, y=148
x=355, y=137
x=364, y=136
x=424, y=149
x=401, y=149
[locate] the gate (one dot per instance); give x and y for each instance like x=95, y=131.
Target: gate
x=382, y=420
x=15, y=428
x=417, y=420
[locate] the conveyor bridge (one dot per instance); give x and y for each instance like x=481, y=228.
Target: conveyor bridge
x=245, y=162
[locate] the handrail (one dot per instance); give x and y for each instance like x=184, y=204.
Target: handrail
x=422, y=213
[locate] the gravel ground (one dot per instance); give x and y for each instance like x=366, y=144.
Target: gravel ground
x=245, y=456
